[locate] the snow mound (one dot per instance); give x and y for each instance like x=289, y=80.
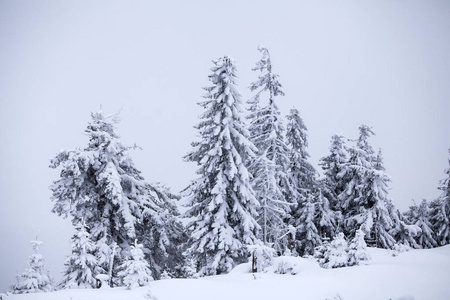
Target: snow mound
x=241, y=269
x=293, y=266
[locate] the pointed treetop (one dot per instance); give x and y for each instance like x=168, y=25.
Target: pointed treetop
x=264, y=63
x=101, y=130
x=268, y=80
x=296, y=134
x=364, y=133
x=36, y=245
x=379, y=166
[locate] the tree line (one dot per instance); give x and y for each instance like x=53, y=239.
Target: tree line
x=255, y=193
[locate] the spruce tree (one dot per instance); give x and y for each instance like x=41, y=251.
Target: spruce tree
x=81, y=266
x=35, y=279
x=135, y=270
x=221, y=200
x=403, y=231
x=161, y=232
x=189, y=267
x=357, y=249
x=333, y=166
x=101, y=186
x=308, y=236
x=325, y=218
x=365, y=199
x=440, y=211
x=271, y=183
x=336, y=253
x=334, y=182
x=302, y=174
x=302, y=178
x=378, y=189
x=440, y=220
x=354, y=174
x=419, y=215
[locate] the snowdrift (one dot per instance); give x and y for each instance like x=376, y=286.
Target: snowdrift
x=416, y=274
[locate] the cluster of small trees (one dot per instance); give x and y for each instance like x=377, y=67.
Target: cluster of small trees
x=255, y=190
x=340, y=253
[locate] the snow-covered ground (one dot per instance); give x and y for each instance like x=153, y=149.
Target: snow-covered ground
x=417, y=274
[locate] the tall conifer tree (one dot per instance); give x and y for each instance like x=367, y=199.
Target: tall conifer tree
x=333, y=165
x=269, y=168
x=301, y=173
x=440, y=211
x=364, y=200
x=100, y=186
x=222, y=201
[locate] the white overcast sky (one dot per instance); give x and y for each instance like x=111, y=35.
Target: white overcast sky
x=342, y=64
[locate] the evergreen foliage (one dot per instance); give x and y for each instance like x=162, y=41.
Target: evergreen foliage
x=378, y=190
x=101, y=186
x=357, y=249
x=419, y=216
x=189, y=268
x=308, y=236
x=222, y=201
x=135, y=270
x=34, y=279
x=302, y=174
x=271, y=183
x=354, y=199
x=81, y=266
x=403, y=231
x=333, y=183
x=162, y=234
x=333, y=166
x=335, y=254
x=325, y=217
x=440, y=211
x=364, y=200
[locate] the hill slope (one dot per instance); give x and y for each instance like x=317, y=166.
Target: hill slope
x=417, y=274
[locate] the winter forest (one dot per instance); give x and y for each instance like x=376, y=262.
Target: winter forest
x=256, y=197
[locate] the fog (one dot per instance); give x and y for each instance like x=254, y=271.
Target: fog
x=341, y=63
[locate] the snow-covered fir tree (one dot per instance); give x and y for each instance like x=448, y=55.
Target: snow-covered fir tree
x=163, y=236
x=165, y=275
x=302, y=174
x=268, y=81
x=81, y=266
x=333, y=183
x=307, y=236
x=302, y=177
x=271, y=183
x=403, y=231
x=332, y=166
x=378, y=189
x=100, y=185
x=325, y=217
x=440, y=211
x=35, y=279
x=336, y=253
x=357, y=249
x=353, y=199
x=365, y=199
x=135, y=270
x=419, y=215
x=221, y=200
x=189, y=268
x=440, y=220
